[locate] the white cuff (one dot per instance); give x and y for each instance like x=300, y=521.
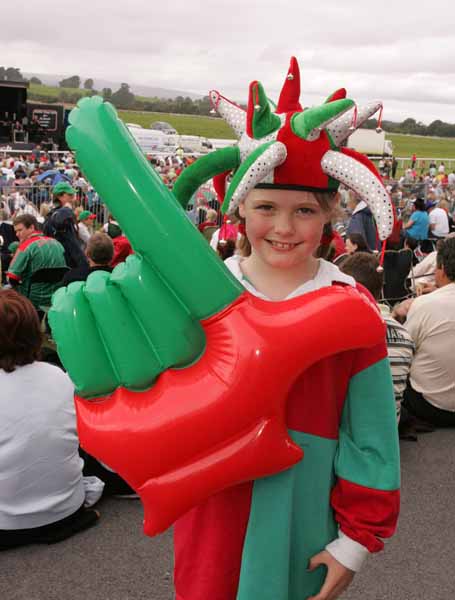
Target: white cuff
x=348, y=552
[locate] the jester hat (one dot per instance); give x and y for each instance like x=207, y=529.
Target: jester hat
x=288, y=147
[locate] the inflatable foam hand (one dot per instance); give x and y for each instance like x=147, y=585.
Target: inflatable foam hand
x=181, y=376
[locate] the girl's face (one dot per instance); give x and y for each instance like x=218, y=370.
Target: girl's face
x=284, y=227
x=350, y=246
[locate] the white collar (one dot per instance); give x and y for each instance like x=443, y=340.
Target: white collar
x=360, y=206
x=327, y=274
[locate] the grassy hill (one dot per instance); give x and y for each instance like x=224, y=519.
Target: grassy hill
x=404, y=145
x=36, y=90
x=210, y=127
x=424, y=147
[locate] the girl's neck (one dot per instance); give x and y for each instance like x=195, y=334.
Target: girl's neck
x=276, y=283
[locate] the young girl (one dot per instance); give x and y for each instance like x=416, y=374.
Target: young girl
x=304, y=532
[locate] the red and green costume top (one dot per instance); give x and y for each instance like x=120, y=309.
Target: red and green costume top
x=35, y=253
x=255, y=540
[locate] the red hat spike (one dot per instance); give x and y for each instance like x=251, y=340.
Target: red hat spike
x=290, y=92
x=338, y=95
x=219, y=183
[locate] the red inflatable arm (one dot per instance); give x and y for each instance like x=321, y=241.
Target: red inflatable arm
x=222, y=421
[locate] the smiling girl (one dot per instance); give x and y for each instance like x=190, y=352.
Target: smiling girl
x=304, y=532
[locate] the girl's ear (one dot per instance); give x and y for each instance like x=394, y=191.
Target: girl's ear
x=241, y=209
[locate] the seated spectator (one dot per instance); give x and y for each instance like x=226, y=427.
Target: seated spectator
x=99, y=251
x=209, y=226
x=422, y=275
x=355, y=242
x=438, y=219
x=418, y=224
x=400, y=347
x=34, y=253
x=225, y=249
x=42, y=495
x=430, y=394
x=229, y=230
x=332, y=244
x=122, y=247
x=61, y=224
x=85, y=226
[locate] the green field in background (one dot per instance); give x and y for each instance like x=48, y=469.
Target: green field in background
x=404, y=145
x=424, y=147
x=210, y=127
x=47, y=90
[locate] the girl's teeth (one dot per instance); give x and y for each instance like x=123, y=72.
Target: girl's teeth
x=283, y=246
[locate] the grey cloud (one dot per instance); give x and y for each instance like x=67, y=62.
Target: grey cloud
x=395, y=53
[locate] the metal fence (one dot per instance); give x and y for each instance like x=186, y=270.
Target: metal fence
x=37, y=200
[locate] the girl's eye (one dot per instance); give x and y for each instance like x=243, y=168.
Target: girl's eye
x=304, y=210
x=266, y=207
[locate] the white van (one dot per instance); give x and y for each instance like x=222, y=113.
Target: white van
x=151, y=140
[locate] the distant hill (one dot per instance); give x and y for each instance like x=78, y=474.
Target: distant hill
x=137, y=89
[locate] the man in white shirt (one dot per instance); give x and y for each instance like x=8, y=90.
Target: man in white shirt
x=439, y=221
x=430, y=394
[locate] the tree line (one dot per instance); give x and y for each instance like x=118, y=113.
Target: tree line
x=413, y=127
x=125, y=99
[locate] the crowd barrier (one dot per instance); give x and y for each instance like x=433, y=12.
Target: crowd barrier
x=38, y=198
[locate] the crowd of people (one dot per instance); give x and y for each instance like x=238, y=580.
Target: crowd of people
x=52, y=236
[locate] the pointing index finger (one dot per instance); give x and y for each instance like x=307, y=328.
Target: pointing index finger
x=146, y=209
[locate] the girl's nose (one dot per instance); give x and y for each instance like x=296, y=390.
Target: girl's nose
x=284, y=224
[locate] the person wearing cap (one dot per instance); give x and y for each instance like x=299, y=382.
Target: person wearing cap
x=84, y=226
x=304, y=532
x=438, y=220
x=61, y=224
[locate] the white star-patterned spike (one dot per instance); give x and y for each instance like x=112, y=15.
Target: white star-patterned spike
x=259, y=172
x=316, y=132
x=340, y=128
x=231, y=113
x=361, y=180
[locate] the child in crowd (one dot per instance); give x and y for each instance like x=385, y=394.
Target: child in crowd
x=305, y=532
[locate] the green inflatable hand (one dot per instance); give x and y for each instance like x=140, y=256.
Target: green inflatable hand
x=125, y=328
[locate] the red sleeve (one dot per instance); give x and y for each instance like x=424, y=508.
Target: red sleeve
x=365, y=514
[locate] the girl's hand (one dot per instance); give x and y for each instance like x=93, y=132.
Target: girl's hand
x=337, y=580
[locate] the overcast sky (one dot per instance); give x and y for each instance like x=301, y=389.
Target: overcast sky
x=400, y=52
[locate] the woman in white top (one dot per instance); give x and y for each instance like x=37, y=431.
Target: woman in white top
x=42, y=491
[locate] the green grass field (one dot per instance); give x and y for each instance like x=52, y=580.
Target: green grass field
x=404, y=145
x=46, y=90
x=424, y=147
x=210, y=127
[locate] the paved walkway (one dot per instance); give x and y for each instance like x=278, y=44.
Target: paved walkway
x=114, y=561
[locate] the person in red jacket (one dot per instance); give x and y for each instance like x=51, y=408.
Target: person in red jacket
x=122, y=247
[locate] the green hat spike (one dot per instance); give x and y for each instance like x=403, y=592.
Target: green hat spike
x=203, y=169
x=309, y=123
x=261, y=121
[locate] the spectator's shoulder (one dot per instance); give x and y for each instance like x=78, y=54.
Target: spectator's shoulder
x=54, y=373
